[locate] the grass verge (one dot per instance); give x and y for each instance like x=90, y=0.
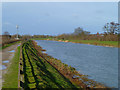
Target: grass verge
x=95, y=42
x=7, y=45
x=11, y=77
x=38, y=73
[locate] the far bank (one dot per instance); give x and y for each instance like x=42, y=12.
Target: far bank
x=89, y=42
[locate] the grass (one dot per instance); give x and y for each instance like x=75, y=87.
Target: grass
x=38, y=73
x=7, y=45
x=11, y=77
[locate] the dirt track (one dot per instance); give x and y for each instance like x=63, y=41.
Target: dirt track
x=6, y=55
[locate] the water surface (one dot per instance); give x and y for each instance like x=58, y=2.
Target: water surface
x=99, y=62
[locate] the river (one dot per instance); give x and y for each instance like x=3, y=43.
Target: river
x=98, y=62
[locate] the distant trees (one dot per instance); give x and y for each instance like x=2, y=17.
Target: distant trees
x=42, y=36
x=111, y=32
x=111, y=28
x=6, y=35
x=15, y=35
x=26, y=37
x=80, y=31
x=7, y=38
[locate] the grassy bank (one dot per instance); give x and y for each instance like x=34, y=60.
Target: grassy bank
x=38, y=73
x=11, y=77
x=43, y=71
x=92, y=42
x=7, y=45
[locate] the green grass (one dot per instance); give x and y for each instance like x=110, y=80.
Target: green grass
x=11, y=77
x=95, y=42
x=38, y=73
x=3, y=47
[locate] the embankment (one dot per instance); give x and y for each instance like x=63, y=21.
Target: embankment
x=43, y=71
x=38, y=72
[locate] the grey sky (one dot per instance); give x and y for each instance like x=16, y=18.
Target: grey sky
x=57, y=18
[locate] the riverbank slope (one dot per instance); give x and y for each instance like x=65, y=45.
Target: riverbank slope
x=39, y=73
x=39, y=66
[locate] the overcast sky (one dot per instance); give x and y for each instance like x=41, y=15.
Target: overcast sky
x=55, y=18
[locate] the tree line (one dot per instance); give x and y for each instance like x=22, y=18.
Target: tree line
x=110, y=33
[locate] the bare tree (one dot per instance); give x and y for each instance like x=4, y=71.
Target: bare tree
x=111, y=28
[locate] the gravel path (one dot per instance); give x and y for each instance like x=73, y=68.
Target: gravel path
x=5, y=60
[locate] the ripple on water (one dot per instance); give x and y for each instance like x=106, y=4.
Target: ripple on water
x=98, y=62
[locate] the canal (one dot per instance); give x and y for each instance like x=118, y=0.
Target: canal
x=98, y=62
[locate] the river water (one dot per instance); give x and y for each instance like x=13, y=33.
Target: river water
x=98, y=62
